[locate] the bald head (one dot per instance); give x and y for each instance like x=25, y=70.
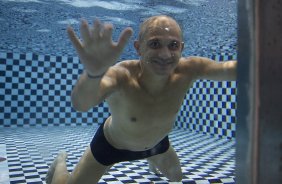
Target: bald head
x=157, y=22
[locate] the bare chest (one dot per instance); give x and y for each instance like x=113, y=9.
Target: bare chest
x=144, y=119
x=161, y=105
x=138, y=104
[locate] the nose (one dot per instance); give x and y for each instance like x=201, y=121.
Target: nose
x=164, y=53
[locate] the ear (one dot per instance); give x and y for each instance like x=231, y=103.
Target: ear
x=137, y=47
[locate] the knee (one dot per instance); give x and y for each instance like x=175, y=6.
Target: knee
x=175, y=176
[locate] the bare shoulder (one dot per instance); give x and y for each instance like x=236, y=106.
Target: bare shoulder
x=127, y=67
x=195, y=61
x=205, y=68
x=194, y=66
x=190, y=65
x=128, y=64
x=124, y=70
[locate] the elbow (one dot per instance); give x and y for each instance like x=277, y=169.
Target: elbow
x=79, y=108
x=235, y=77
x=77, y=104
x=231, y=70
x=235, y=70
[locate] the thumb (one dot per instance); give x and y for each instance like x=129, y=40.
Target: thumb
x=124, y=37
x=74, y=40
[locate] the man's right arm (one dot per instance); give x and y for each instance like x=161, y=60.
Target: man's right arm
x=98, y=53
x=89, y=92
x=85, y=93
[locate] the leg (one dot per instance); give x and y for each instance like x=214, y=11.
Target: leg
x=58, y=172
x=152, y=167
x=168, y=163
x=87, y=171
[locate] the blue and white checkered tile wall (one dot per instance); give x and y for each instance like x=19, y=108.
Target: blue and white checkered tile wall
x=210, y=106
x=35, y=90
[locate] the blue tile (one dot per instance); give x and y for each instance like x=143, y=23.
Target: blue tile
x=31, y=150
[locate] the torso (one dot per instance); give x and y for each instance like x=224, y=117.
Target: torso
x=140, y=120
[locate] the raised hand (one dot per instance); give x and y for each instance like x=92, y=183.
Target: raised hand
x=97, y=51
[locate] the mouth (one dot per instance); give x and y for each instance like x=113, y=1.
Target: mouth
x=162, y=63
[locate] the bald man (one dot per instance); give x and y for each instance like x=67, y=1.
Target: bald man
x=144, y=96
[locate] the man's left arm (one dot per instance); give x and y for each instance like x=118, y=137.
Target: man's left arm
x=213, y=70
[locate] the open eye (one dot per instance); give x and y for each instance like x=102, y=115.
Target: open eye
x=154, y=44
x=174, y=45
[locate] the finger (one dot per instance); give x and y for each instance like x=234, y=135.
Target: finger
x=74, y=40
x=108, y=31
x=96, y=31
x=124, y=37
x=84, y=30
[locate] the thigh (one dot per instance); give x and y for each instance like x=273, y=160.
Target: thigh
x=88, y=170
x=168, y=163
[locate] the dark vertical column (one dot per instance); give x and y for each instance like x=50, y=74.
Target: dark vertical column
x=246, y=136
x=259, y=126
x=269, y=51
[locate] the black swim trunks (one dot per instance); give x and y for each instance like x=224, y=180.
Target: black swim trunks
x=107, y=155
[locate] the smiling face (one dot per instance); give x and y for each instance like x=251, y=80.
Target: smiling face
x=160, y=45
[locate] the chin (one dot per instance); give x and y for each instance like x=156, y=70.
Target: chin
x=163, y=72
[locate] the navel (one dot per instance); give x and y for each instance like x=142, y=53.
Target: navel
x=133, y=119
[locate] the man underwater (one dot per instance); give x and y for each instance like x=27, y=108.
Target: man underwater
x=144, y=96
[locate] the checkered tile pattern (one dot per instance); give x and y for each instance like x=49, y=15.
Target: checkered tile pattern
x=210, y=107
x=204, y=158
x=35, y=90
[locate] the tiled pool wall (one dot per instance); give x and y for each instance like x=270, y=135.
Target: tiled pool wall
x=36, y=90
x=38, y=66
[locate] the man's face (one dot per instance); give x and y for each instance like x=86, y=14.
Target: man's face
x=161, y=48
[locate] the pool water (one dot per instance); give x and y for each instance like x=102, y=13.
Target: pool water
x=39, y=67
x=39, y=26
x=204, y=158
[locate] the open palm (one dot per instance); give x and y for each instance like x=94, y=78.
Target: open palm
x=97, y=51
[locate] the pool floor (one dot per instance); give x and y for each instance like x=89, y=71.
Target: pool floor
x=29, y=151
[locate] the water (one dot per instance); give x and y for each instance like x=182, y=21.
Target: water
x=38, y=68
x=40, y=26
